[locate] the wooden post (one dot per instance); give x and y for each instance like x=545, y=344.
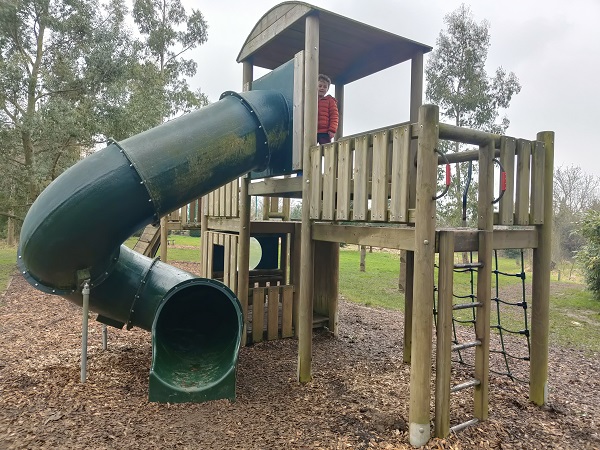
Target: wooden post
x=327, y=264
x=10, y=231
x=485, y=223
x=339, y=96
x=422, y=319
x=405, y=277
x=295, y=246
x=305, y=318
x=540, y=289
x=443, y=358
x=363, y=257
x=244, y=237
x=408, y=306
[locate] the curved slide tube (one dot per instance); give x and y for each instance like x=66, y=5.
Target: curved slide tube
x=74, y=230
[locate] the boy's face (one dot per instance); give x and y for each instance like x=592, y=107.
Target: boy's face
x=323, y=88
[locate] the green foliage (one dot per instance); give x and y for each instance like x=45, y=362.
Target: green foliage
x=589, y=255
x=57, y=61
x=168, y=32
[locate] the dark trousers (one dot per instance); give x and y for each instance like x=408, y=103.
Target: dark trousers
x=323, y=138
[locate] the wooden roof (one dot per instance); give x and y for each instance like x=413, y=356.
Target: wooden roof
x=349, y=49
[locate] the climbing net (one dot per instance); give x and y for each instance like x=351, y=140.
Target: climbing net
x=504, y=308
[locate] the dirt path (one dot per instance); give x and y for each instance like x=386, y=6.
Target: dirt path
x=357, y=400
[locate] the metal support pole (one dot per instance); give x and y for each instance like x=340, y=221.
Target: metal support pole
x=104, y=337
x=84, y=328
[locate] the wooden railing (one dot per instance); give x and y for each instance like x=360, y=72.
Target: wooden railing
x=347, y=174
x=365, y=178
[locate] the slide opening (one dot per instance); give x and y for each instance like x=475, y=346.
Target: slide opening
x=196, y=335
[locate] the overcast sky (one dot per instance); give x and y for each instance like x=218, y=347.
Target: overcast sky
x=552, y=46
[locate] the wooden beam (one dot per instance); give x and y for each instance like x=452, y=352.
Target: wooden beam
x=277, y=187
x=467, y=135
x=387, y=237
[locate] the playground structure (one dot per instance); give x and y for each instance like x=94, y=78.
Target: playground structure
x=374, y=188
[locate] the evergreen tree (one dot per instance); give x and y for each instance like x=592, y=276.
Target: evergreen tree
x=459, y=84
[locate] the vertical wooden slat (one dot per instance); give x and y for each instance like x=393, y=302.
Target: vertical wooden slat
x=379, y=190
x=315, y=182
x=211, y=203
x=226, y=259
x=329, y=181
x=538, y=162
x=443, y=358
x=204, y=255
x=273, y=313
x=227, y=212
x=222, y=199
x=258, y=314
x=399, y=189
x=344, y=179
x=233, y=263
x=523, y=168
x=507, y=159
x=287, y=299
x=235, y=198
x=210, y=244
x=361, y=178
x=202, y=213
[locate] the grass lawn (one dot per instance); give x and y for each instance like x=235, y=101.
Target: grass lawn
x=8, y=264
x=574, y=313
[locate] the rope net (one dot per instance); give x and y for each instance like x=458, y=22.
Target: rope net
x=509, y=317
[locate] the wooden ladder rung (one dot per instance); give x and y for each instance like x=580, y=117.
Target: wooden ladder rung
x=468, y=265
x=463, y=425
x=465, y=385
x=466, y=306
x=465, y=345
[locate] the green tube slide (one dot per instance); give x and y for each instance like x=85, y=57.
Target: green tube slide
x=75, y=229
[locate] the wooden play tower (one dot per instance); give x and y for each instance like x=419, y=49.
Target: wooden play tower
x=375, y=188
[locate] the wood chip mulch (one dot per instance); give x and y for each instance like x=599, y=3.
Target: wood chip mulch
x=358, y=399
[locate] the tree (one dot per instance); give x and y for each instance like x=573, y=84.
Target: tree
x=459, y=84
x=56, y=59
x=163, y=66
x=168, y=33
x=71, y=75
x=575, y=193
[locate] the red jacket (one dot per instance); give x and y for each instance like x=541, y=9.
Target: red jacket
x=328, y=115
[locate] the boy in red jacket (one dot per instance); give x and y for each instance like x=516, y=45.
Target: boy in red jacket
x=328, y=112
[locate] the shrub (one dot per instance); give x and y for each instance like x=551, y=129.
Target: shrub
x=589, y=255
